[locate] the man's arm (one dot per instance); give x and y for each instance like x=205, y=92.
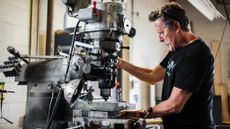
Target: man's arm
x=148, y=75
x=174, y=104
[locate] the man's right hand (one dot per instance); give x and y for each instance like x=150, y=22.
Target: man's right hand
x=120, y=62
x=132, y=114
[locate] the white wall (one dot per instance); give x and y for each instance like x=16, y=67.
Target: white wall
x=58, y=19
x=146, y=50
x=14, y=30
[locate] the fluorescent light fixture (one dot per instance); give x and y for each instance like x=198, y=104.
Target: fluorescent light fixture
x=207, y=9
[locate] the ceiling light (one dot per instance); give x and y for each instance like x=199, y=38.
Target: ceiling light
x=207, y=9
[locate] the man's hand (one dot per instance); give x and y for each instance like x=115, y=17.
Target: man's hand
x=136, y=114
x=148, y=112
x=132, y=114
x=119, y=62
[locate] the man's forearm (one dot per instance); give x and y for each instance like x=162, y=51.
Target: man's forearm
x=148, y=75
x=174, y=104
x=139, y=72
x=164, y=108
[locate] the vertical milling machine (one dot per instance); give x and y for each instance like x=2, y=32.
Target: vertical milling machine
x=74, y=90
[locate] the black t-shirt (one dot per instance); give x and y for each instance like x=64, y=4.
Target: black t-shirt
x=190, y=68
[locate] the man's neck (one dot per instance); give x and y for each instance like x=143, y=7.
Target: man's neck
x=187, y=38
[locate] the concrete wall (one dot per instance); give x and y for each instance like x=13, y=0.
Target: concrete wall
x=14, y=30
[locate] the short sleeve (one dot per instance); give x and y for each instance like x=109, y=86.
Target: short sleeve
x=164, y=62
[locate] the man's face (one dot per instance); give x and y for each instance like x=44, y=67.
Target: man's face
x=166, y=35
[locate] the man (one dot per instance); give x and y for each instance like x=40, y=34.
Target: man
x=187, y=70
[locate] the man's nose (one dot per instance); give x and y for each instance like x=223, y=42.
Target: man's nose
x=161, y=38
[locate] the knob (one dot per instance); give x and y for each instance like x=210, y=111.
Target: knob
x=132, y=32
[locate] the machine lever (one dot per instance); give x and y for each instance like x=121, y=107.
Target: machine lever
x=16, y=53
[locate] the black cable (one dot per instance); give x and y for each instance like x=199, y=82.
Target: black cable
x=221, y=40
x=58, y=98
x=71, y=50
x=50, y=104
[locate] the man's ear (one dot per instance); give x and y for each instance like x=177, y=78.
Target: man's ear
x=177, y=27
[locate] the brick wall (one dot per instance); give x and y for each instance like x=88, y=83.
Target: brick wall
x=14, y=30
